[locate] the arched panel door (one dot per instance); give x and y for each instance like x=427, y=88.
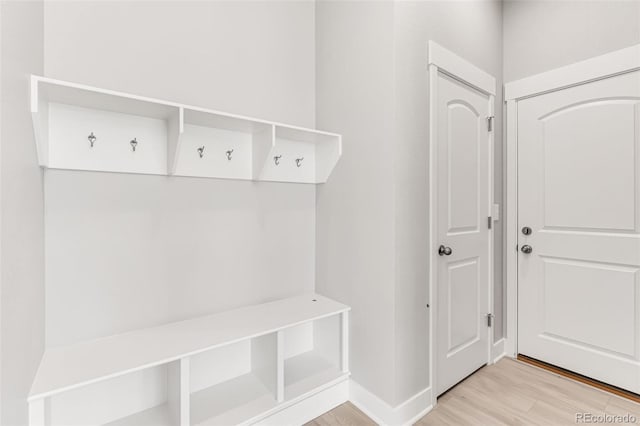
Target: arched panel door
x=579, y=195
x=463, y=150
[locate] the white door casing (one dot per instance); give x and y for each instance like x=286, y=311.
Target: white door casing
x=461, y=149
x=579, y=192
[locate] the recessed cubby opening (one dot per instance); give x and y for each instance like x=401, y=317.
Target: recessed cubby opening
x=235, y=383
x=312, y=355
x=220, y=146
x=81, y=129
x=301, y=156
x=91, y=139
x=144, y=397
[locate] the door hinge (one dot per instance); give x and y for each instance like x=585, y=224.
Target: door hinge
x=490, y=123
x=489, y=221
x=489, y=320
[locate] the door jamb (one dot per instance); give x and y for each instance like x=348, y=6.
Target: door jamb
x=600, y=67
x=442, y=60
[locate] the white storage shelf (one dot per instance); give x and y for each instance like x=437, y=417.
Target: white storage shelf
x=79, y=127
x=235, y=367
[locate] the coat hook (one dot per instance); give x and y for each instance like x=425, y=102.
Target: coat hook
x=276, y=159
x=92, y=138
x=201, y=151
x=299, y=161
x=229, y=154
x=134, y=143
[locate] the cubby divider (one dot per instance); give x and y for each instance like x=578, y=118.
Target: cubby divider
x=248, y=387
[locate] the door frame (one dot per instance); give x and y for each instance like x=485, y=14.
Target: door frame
x=600, y=67
x=443, y=60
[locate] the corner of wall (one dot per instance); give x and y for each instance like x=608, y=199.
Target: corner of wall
x=355, y=219
x=403, y=414
x=21, y=211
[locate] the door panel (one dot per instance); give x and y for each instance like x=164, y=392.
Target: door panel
x=463, y=298
x=463, y=205
x=463, y=167
x=579, y=191
x=611, y=294
x=569, y=203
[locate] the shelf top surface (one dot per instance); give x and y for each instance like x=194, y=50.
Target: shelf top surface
x=69, y=367
x=93, y=97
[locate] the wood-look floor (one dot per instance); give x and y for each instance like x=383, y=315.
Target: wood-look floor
x=507, y=393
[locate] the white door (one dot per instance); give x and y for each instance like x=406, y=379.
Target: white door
x=579, y=193
x=463, y=159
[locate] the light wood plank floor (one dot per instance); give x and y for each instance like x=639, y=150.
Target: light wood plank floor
x=507, y=393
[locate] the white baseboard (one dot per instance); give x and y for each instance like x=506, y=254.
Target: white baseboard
x=498, y=351
x=382, y=413
x=309, y=408
x=404, y=414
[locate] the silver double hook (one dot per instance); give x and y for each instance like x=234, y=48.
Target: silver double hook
x=299, y=161
x=201, y=151
x=92, y=139
x=276, y=159
x=229, y=154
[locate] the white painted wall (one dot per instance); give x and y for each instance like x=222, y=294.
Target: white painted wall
x=253, y=58
x=21, y=212
x=126, y=251
x=542, y=35
x=355, y=213
x=372, y=229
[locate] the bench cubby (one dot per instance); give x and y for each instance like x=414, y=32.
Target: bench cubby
x=234, y=367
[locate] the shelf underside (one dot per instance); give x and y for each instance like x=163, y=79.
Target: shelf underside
x=104, y=100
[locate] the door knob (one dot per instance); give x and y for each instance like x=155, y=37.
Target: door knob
x=526, y=249
x=444, y=251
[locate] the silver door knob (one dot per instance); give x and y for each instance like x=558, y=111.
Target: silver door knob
x=444, y=251
x=526, y=249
